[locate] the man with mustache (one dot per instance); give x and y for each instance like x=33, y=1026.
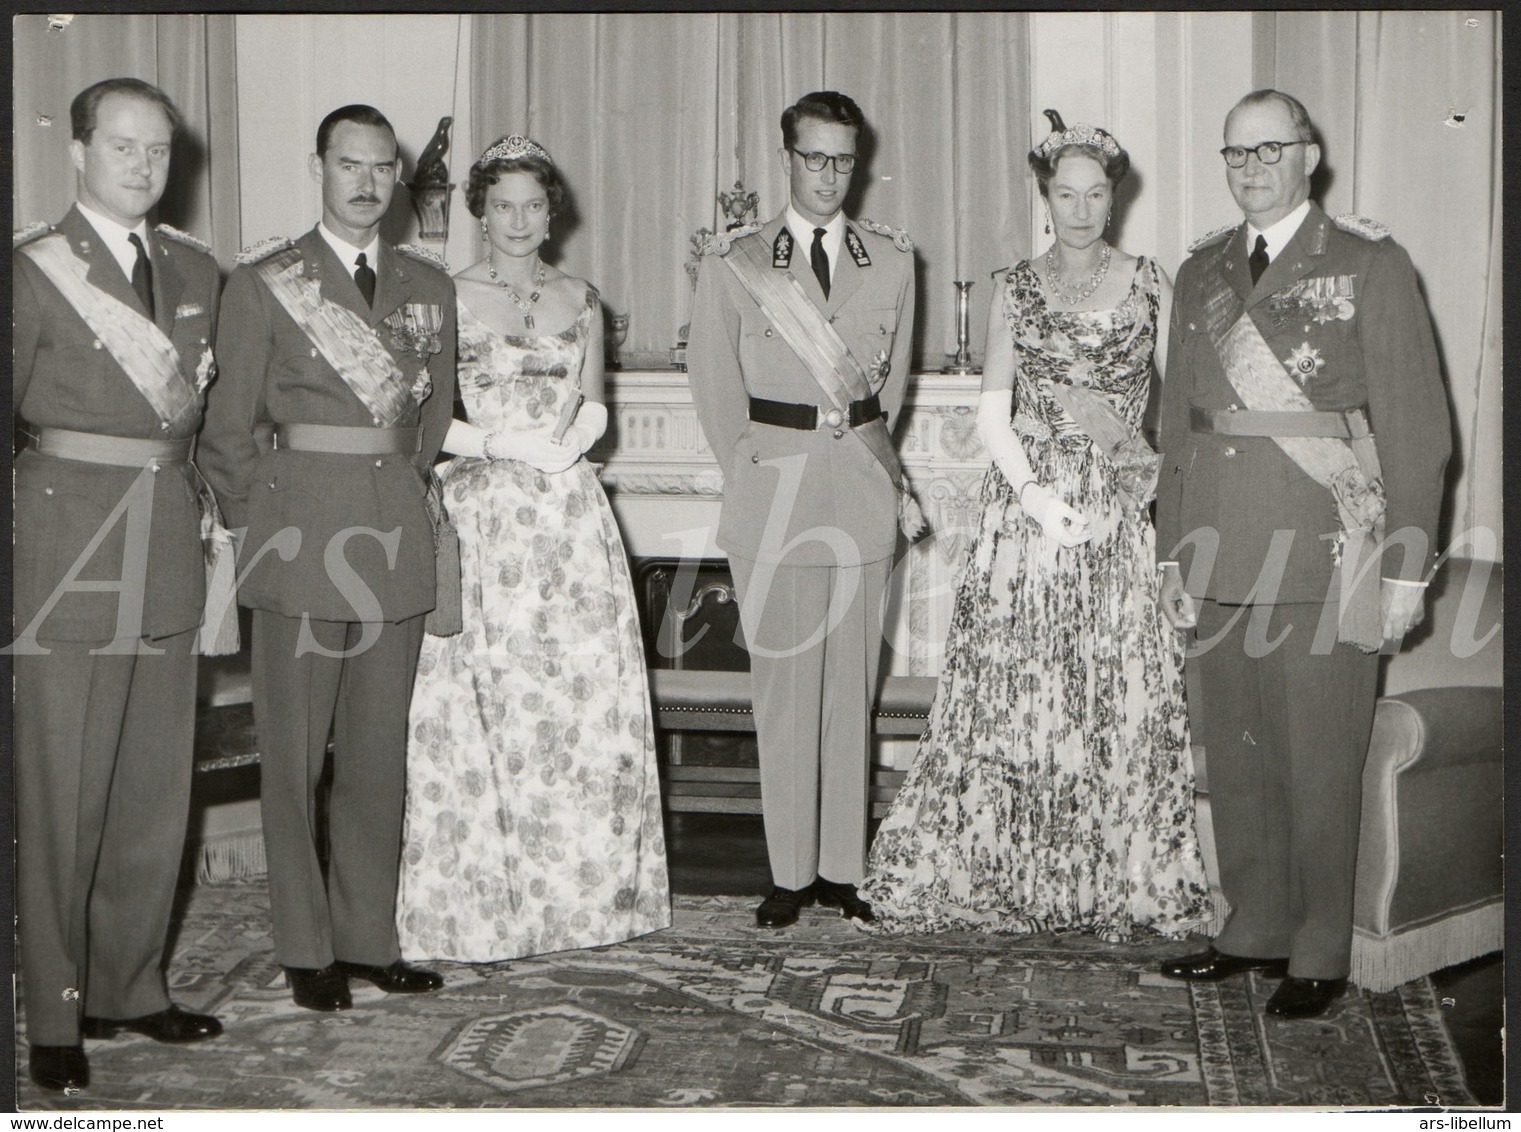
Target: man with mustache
x=113, y=321
x=336, y=389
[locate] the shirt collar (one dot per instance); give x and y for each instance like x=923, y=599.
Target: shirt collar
x=114, y=236
x=347, y=253
x=802, y=231
x=1278, y=235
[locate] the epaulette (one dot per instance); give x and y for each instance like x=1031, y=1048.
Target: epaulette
x=898, y=236
x=1203, y=241
x=1360, y=226
x=29, y=233
x=718, y=243
x=263, y=249
x=424, y=254
x=183, y=238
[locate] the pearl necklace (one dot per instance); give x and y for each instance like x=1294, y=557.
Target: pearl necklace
x=524, y=305
x=1075, y=297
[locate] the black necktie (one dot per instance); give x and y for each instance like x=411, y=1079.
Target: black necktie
x=364, y=276
x=820, y=260
x=1258, y=260
x=142, y=275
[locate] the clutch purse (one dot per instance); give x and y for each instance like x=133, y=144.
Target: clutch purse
x=447, y=615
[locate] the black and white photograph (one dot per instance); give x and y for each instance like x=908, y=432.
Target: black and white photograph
x=837, y=561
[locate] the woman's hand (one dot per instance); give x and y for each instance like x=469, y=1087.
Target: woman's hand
x=536, y=449
x=1063, y=525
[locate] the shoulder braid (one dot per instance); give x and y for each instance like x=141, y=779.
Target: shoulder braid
x=426, y=255
x=1361, y=226
x=171, y=233
x=718, y=243
x=898, y=236
x=263, y=249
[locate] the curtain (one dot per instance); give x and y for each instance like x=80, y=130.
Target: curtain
x=650, y=117
x=1412, y=139
x=190, y=57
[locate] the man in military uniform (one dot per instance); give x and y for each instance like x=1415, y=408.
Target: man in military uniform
x=799, y=357
x=336, y=389
x=1292, y=335
x=112, y=323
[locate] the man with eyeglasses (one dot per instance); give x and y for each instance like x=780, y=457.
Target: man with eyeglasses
x=799, y=356
x=1304, y=429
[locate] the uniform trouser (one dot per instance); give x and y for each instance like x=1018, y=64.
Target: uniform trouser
x=299, y=693
x=1285, y=737
x=104, y=755
x=813, y=706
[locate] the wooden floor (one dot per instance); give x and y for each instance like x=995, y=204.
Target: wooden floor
x=723, y=854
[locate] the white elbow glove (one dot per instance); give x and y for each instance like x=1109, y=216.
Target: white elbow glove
x=590, y=424
x=1063, y=526
x=535, y=449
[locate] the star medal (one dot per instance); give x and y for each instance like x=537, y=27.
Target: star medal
x=1305, y=361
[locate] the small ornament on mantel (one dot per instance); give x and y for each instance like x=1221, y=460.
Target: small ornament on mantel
x=430, y=185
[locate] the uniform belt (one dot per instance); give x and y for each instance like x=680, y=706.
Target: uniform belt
x=121, y=451
x=1261, y=422
x=784, y=414
x=348, y=440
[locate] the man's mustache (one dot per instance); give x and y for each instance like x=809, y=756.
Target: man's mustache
x=365, y=198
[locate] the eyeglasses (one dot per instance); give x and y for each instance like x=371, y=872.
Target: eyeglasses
x=815, y=162
x=1269, y=153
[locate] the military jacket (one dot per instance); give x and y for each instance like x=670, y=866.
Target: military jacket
x=1340, y=307
x=824, y=480
x=272, y=374
x=63, y=377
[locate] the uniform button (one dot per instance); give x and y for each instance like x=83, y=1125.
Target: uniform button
x=1230, y=451
x=755, y=457
x=96, y=344
x=1233, y=407
x=271, y=485
x=839, y=432
x=768, y=332
x=378, y=463
x=154, y=468
x=314, y=351
x=47, y=491
x=375, y=421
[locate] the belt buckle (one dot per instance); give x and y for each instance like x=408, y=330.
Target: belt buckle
x=834, y=418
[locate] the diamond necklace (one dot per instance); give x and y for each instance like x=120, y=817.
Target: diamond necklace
x=524, y=305
x=1075, y=297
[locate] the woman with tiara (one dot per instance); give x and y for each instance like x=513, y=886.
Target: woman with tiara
x=533, y=819
x=1053, y=787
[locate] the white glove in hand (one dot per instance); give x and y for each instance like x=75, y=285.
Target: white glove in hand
x=1061, y=524
x=535, y=449
x=590, y=424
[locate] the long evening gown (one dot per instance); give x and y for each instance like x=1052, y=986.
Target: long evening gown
x=1053, y=786
x=533, y=817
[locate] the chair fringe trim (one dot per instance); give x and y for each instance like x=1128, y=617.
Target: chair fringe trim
x=236, y=856
x=1381, y=963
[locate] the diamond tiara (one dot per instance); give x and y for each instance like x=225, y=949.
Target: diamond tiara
x=513, y=146
x=1080, y=134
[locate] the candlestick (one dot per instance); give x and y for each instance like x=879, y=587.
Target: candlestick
x=962, y=362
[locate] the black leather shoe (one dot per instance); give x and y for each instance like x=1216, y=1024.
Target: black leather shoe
x=319, y=988
x=780, y=909
x=1304, y=998
x=399, y=977
x=174, y=1026
x=833, y=894
x=1210, y=965
x=60, y=1068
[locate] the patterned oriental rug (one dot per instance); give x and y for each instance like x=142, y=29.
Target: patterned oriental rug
x=715, y=1012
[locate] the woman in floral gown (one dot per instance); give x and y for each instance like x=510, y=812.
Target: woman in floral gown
x=533, y=818
x=1053, y=786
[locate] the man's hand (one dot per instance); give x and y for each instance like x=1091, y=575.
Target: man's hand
x=1404, y=607
x=1177, y=606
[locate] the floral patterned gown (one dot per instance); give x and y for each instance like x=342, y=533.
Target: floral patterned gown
x=533, y=817
x=1053, y=786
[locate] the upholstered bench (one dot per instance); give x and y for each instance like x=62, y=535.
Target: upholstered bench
x=688, y=699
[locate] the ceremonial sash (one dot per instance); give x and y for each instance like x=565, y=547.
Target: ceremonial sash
x=826, y=357
x=1349, y=471
x=1135, y=463
x=143, y=351
x=344, y=339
